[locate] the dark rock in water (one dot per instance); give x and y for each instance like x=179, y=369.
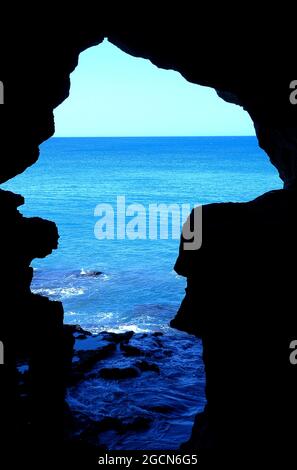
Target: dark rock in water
x=90, y=273
x=81, y=337
x=145, y=366
x=141, y=423
x=158, y=353
x=144, y=335
x=116, y=373
x=163, y=409
x=158, y=333
x=109, y=423
x=117, y=337
x=129, y=350
x=77, y=330
x=92, y=356
x=87, y=359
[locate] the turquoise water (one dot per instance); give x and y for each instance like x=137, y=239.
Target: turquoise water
x=138, y=288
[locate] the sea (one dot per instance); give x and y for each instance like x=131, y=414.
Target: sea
x=127, y=282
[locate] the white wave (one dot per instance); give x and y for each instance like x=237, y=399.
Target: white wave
x=62, y=292
x=104, y=315
x=123, y=328
x=177, y=276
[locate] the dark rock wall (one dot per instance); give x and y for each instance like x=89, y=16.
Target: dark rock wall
x=239, y=300
x=240, y=287
x=32, y=331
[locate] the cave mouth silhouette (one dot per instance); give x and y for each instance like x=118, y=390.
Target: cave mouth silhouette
x=84, y=98
x=252, y=402
x=250, y=292
x=115, y=85
x=92, y=269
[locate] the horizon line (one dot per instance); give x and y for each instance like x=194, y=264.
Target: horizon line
x=143, y=136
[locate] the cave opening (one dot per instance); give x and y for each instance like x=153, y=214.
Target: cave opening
x=124, y=286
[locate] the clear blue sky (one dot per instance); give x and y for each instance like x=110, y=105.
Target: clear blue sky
x=114, y=94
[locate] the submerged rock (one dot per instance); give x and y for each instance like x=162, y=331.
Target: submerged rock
x=90, y=273
x=141, y=423
x=89, y=358
x=145, y=366
x=77, y=331
x=130, y=350
x=85, y=360
x=117, y=337
x=117, y=373
x=164, y=409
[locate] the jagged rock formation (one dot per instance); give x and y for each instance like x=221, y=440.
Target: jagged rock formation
x=240, y=284
x=239, y=301
x=32, y=330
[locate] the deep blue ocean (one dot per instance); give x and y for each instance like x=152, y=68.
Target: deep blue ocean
x=138, y=289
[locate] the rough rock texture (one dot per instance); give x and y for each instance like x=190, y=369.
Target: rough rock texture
x=31, y=329
x=241, y=307
x=239, y=301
